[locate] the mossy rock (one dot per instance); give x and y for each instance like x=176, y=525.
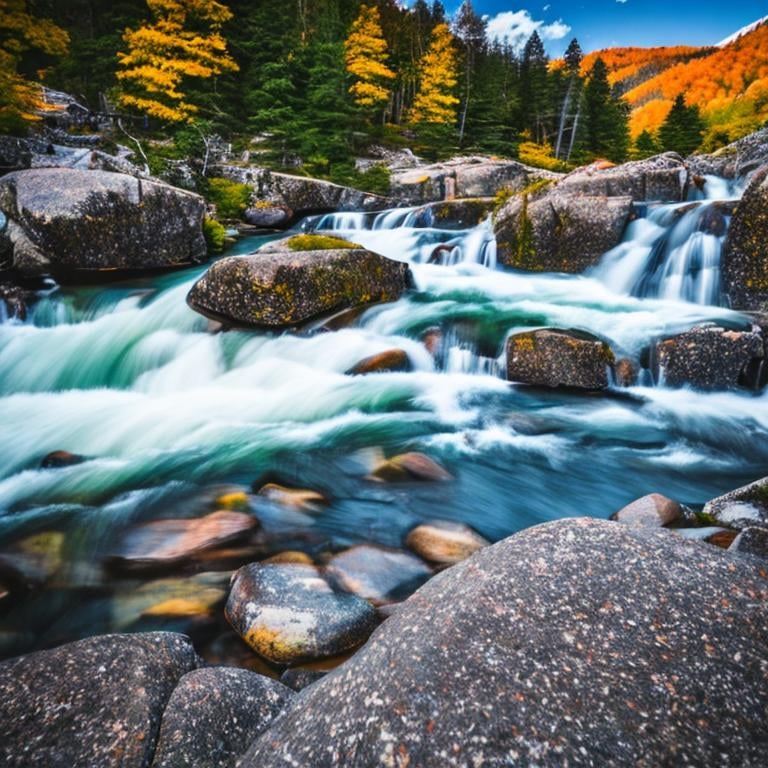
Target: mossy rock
x=299, y=243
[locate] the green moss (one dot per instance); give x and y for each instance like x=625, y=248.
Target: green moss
x=230, y=197
x=523, y=247
x=214, y=234
x=319, y=243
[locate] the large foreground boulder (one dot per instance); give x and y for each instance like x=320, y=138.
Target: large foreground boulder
x=95, y=703
x=577, y=643
x=214, y=715
x=551, y=357
x=711, y=357
x=745, y=256
x=286, y=288
x=554, y=231
x=62, y=218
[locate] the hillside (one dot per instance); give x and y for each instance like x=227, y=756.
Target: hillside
x=729, y=83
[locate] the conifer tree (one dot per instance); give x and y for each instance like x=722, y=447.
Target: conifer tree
x=183, y=41
x=534, y=91
x=21, y=31
x=435, y=101
x=470, y=30
x=365, y=52
x=646, y=145
x=606, y=118
x=683, y=129
x=573, y=58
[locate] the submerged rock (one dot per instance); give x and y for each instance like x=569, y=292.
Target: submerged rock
x=558, y=231
x=61, y=218
x=96, y=702
x=383, y=362
x=286, y=289
x=61, y=459
x=551, y=357
x=289, y=613
x=408, y=467
x=710, y=357
x=579, y=642
x=213, y=715
x=745, y=507
x=377, y=574
x=294, y=498
x=651, y=511
x=745, y=257
x=444, y=542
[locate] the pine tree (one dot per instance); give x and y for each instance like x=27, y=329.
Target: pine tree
x=573, y=58
x=606, y=118
x=646, y=145
x=435, y=102
x=470, y=30
x=366, y=57
x=683, y=129
x=534, y=90
x=20, y=31
x=183, y=41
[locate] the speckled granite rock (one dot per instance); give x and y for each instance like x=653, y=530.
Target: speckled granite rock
x=289, y=613
x=651, y=511
x=745, y=257
x=551, y=357
x=96, y=703
x=556, y=230
x=377, y=574
x=268, y=216
x=286, y=289
x=737, y=159
x=580, y=643
x=743, y=508
x=299, y=678
x=214, y=714
x=66, y=218
x=444, y=542
x=710, y=357
x=751, y=541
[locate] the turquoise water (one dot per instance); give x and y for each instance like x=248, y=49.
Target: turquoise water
x=165, y=409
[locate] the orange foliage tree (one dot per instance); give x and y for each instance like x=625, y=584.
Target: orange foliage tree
x=435, y=101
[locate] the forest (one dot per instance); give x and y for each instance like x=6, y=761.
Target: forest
x=309, y=84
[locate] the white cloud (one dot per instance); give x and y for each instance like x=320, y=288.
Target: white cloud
x=622, y=1
x=517, y=26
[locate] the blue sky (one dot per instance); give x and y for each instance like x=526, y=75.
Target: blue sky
x=607, y=23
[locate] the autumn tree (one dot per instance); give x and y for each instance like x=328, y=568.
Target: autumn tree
x=435, y=101
x=683, y=129
x=20, y=31
x=365, y=53
x=182, y=42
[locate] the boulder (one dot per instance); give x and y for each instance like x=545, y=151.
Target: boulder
x=285, y=289
x=710, y=357
x=289, y=613
x=168, y=543
x=61, y=459
x=302, y=499
x=383, y=362
x=15, y=154
x=579, y=642
x=551, y=357
x=746, y=507
x=213, y=715
x=651, y=511
x=751, y=541
x=663, y=178
x=61, y=218
x=745, y=257
x=96, y=703
x=268, y=216
x=553, y=231
x=444, y=542
x=300, y=194
x=378, y=575
x=408, y=467
x=735, y=160
x=299, y=678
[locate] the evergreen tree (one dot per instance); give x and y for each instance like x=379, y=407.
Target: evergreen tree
x=606, y=118
x=646, y=145
x=20, y=31
x=534, y=88
x=470, y=30
x=683, y=129
x=366, y=58
x=183, y=41
x=573, y=58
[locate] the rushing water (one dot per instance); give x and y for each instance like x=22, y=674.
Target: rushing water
x=163, y=408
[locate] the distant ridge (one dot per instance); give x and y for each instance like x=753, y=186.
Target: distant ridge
x=743, y=31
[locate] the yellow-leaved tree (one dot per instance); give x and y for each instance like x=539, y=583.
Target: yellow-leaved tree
x=366, y=56
x=20, y=31
x=435, y=102
x=183, y=41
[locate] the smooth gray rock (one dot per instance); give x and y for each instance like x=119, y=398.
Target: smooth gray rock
x=651, y=511
x=289, y=613
x=745, y=256
x=285, y=289
x=268, y=216
x=551, y=357
x=710, y=357
x=579, y=642
x=214, y=714
x=62, y=218
x=96, y=703
x=746, y=507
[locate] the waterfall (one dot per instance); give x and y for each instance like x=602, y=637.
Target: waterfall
x=674, y=251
